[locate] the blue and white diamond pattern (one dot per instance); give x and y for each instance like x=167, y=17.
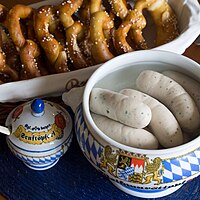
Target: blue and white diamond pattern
x=124, y=174
x=182, y=167
x=175, y=169
x=90, y=147
x=42, y=161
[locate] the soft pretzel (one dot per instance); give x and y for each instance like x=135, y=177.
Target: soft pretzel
x=165, y=21
x=95, y=6
x=28, y=49
x=133, y=21
x=8, y=47
x=80, y=33
x=100, y=22
x=119, y=8
x=119, y=39
x=13, y=22
x=28, y=55
x=75, y=54
x=84, y=12
x=87, y=9
x=163, y=17
x=53, y=49
x=5, y=69
x=67, y=9
x=57, y=30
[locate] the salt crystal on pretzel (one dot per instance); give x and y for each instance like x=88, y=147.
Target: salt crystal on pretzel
x=66, y=10
x=119, y=7
x=15, y=14
x=135, y=22
x=164, y=18
x=75, y=54
x=53, y=49
x=100, y=21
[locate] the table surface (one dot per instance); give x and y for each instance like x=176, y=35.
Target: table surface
x=72, y=177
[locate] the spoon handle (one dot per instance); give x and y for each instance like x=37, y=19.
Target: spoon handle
x=4, y=130
x=197, y=41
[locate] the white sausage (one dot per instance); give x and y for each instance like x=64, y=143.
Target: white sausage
x=172, y=95
x=190, y=85
x=163, y=123
x=138, y=138
x=120, y=108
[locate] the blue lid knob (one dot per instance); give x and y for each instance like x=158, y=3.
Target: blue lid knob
x=37, y=107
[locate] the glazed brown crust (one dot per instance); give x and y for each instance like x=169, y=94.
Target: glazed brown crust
x=5, y=69
x=100, y=21
x=75, y=54
x=78, y=33
x=28, y=55
x=15, y=14
x=53, y=49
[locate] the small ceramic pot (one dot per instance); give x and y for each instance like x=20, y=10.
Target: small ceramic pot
x=40, y=133
x=139, y=172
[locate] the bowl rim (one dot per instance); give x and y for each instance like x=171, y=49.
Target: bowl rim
x=109, y=67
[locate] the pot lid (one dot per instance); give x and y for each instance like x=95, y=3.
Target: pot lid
x=39, y=124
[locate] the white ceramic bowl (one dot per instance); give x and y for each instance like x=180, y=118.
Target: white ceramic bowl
x=172, y=167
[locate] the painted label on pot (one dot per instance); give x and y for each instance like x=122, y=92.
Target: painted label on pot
x=41, y=134
x=132, y=168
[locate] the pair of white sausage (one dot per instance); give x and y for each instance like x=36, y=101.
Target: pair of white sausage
x=138, y=138
x=190, y=85
x=119, y=107
x=163, y=123
x=173, y=95
x=122, y=118
x=114, y=105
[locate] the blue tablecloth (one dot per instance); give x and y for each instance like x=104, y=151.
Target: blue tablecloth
x=72, y=178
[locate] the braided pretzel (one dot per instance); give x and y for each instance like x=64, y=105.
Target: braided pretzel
x=28, y=55
x=165, y=21
x=100, y=22
x=53, y=49
x=8, y=47
x=84, y=12
x=28, y=49
x=88, y=8
x=5, y=69
x=57, y=30
x=163, y=17
x=13, y=22
x=67, y=9
x=75, y=54
x=119, y=8
x=133, y=21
